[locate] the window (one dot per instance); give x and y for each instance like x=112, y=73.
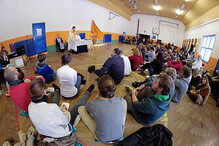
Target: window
x=207, y=46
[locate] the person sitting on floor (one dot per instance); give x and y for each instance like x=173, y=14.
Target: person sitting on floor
x=106, y=120
x=149, y=109
x=59, y=43
x=177, y=65
x=45, y=70
x=114, y=66
x=197, y=63
x=201, y=92
x=135, y=59
x=127, y=64
x=19, y=91
x=70, y=81
x=50, y=119
x=181, y=84
x=196, y=78
x=150, y=54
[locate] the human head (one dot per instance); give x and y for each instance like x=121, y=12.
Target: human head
x=66, y=58
x=185, y=72
x=135, y=51
x=171, y=72
x=58, y=35
x=2, y=54
x=199, y=57
x=37, y=87
x=163, y=85
x=195, y=72
x=73, y=28
x=160, y=56
x=41, y=58
x=116, y=51
x=106, y=86
x=189, y=64
x=11, y=74
x=205, y=81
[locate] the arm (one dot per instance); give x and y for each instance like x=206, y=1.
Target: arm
x=105, y=67
x=143, y=107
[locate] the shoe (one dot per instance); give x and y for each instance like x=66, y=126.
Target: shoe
x=1, y=91
x=8, y=94
x=83, y=82
x=136, y=84
x=81, y=87
x=91, y=88
x=91, y=69
x=142, y=73
x=50, y=89
x=128, y=89
x=24, y=113
x=56, y=87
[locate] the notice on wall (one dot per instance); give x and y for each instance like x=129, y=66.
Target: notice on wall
x=19, y=62
x=39, y=32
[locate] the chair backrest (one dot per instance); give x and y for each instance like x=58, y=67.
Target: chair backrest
x=12, y=47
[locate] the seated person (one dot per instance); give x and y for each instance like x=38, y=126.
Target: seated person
x=150, y=54
x=177, y=65
x=19, y=91
x=197, y=63
x=196, y=78
x=59, y=43
x=201, y=92
x=114, y=66
x=70, y=82
x=181, y=84
x=50, y=119
x=45, y=70
x=106, y=120
x=3, y=49
x=149, y=109
x=135, y=59
x=4, y=62
x=127, y=64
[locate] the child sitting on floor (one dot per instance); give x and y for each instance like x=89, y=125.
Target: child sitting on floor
x=45, y=70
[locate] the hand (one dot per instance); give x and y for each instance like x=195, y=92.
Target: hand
x=63, y=107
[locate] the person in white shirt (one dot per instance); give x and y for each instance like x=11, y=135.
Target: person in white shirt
x=197, y=63
x=68, y=78
x=127, y=64
x=77, y=37
x=72, y=34
x=48, y=118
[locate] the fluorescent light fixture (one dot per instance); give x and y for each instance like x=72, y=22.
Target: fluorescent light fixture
x=155, y=1
x=187, y=0
x=183, y=5
x=179, y=12
x=157, y=8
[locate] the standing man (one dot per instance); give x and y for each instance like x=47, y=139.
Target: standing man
x=72, y=34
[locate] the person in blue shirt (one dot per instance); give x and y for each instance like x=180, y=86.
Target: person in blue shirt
x=114, y=66
x=45, y=70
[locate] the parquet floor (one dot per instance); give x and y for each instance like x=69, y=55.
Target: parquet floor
x=189, y=123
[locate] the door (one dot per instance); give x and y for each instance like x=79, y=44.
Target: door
x=39, y=37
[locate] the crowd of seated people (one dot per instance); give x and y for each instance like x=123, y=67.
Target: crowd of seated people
x=168, y=80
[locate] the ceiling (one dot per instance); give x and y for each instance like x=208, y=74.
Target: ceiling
x=192, y=10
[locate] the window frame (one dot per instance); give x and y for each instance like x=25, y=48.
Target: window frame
x=207, y=48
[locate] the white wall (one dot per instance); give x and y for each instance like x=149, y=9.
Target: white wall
x=17, y=17
x=168, y=32
x=209, y=28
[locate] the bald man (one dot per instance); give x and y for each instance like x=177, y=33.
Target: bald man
x=19, y=91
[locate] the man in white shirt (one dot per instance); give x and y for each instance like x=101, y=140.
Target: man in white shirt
x=197, y=63
x=72, y=34
x=68, y=79
x=127, y=64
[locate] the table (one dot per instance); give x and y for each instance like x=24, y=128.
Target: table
x=73, y=45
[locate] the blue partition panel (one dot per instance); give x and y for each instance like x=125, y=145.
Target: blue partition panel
x=28, y=45
x=217, y=66
x=82, y=35
x=121, y=38
x=107, y=38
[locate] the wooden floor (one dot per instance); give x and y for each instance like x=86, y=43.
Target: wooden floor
x=189, y=123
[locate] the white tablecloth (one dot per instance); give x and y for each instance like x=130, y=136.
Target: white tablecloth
x=72, y=45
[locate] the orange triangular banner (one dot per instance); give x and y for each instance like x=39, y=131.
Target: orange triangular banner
x=96, y=31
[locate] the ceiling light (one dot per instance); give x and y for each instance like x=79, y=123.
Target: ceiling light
x=186, y=0
x=157, y=8
x=183, y=5
x=179, y=12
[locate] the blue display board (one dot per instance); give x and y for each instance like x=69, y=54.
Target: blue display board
x=28, y=45
x=39, y=37
x=121, y=38
x=107, y=38
x=217, y=66
x=82, y=35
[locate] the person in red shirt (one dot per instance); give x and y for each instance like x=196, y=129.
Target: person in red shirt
x=135, y=59
x=177, y=65
x=19, y=90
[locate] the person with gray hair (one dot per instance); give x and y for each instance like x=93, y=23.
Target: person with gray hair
x=182, y=84
x=197, y=63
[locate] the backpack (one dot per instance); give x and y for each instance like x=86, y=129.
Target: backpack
x=157, y=135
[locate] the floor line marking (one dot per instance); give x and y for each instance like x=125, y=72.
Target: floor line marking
x=138, y=75
x=213, y=120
